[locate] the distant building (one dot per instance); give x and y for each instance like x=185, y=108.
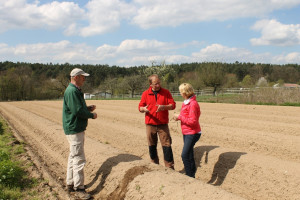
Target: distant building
x=286, y=85
x=291, y=85
x=88, y=96
x=102, y=95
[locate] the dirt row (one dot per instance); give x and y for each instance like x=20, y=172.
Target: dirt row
x=246, y=151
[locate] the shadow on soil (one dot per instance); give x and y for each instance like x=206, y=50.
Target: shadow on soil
x=106, y=168
x=201, y=151
x=225, y=162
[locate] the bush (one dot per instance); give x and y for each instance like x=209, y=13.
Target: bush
x=4, y=156
x=1, y=128
x=11, y=174
x=11, y=194
x=272, y=96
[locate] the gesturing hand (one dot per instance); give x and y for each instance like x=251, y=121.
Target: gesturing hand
x=144, y=109
x=91, y=108
x=95, y=116
x=175, y=117
x=160, y=108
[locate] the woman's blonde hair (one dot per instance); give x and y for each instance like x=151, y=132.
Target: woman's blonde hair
x=187, y=89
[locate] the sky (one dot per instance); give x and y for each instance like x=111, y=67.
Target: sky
x=145, y=32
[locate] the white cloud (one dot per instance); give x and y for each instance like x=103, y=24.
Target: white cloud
x=60, y=52
x=293, y=57
x=101, y=16
x=18, y=14
x=127, y=53
x=40, y=48
x=135, y=53
x=105, y=16
x=275, y=33
x=106, y=49
x=176, y=12
x=220, y=53
x=143, y=46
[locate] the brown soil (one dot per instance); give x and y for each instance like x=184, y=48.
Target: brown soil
x=245, y=151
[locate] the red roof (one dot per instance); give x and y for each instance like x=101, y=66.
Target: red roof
x=290, y=85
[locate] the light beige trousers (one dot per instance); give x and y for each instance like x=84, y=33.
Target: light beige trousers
x=76, y=161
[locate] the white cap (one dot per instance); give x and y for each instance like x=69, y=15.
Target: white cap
x=77, y=71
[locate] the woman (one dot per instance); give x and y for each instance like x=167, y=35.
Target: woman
x=191, y=130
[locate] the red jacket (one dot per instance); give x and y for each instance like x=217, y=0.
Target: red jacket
x=164, y=97
x=189, y=117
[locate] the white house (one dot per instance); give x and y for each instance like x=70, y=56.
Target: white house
x=88, y=96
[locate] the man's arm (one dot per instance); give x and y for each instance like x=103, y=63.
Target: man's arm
x=164, y=107
x=170, y=106
x=76, y=106
x=171, y=102
x=143, y=107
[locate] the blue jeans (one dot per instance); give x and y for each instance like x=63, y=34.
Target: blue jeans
x=188, y=154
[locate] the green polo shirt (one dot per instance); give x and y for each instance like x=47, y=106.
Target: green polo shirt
x=75, y=112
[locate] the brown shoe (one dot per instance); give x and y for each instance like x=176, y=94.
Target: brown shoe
x=81, y=194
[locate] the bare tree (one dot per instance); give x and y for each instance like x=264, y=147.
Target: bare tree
x=59, y=84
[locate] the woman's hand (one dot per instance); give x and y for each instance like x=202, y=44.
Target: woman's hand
x=175, y=117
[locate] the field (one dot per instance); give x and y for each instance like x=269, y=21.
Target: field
x=245, y=151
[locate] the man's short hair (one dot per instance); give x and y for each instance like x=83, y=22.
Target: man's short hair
x=151, y=77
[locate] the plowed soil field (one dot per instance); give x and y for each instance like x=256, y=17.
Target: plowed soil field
x=245, y=151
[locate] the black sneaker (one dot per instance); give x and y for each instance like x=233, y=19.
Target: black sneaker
x=70, y=188
x=81, y=194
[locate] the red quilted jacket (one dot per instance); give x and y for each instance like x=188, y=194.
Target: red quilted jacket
x=189, y=117
x=164, y=97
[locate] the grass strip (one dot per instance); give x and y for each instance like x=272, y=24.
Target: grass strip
x=15, y=180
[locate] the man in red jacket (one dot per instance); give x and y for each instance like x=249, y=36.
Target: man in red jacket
x=156, y=103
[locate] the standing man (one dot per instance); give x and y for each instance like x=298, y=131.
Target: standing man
x=156, y=103
x=75, y=120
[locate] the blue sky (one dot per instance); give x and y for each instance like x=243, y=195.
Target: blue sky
x=142, y=32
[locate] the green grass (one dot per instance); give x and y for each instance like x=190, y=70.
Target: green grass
x=207, y=98
x=118, y=98
x=256, y=96
x=14, y=180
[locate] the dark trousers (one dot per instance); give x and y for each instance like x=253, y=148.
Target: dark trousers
x=188, y=154
x=161, y=131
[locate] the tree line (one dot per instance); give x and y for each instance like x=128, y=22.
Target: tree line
x=35, y=81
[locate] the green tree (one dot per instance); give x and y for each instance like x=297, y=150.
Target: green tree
x=212, y=75
x=110, y=85
x=57, y=85
x=165, y=72
x=256, y=72
x=10, y=85
x=247, y=81
x=192, y=78
x=280, y=82
x=231, y=81
x=134, y=83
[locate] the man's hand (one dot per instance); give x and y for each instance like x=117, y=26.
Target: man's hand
x=95, y=116
x=160, y=108
x=164, y=107
x=144, y=109
x=91, y=108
